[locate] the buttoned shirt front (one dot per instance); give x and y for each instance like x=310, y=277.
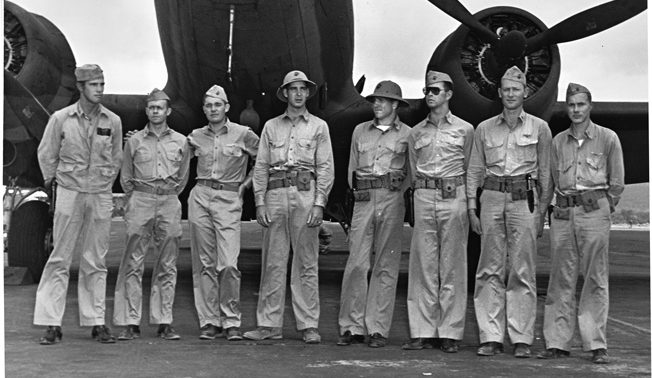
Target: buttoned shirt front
x=155, y=161
x=595, y=164
x=501, y=151
x=375, y=153
x=223, y=156
x=302, y=144
x=440, y=150
x=83, y=151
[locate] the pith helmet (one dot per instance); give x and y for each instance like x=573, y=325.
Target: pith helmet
x=388, y=89
x=290, y=78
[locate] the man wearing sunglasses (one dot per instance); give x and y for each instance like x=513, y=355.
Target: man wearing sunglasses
x=377, y=174
x=439, y=149
x=510, y=160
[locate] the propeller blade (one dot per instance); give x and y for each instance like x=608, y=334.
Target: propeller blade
x=586, y=23
x=456, y=10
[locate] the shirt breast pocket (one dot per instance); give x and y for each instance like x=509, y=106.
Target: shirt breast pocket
x=232, y=150
x=175, y=156
x=277, y=151
x=527, y=149
x=306, y=150
x=494, y=152
x=365, y=154
x=595, y=168
x=453, y=140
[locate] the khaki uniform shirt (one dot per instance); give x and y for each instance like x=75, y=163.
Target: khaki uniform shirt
x=223, y=156
x=504, y=152
x=83, y=151
x=303, y=145
x=375, y=153
x=155, y=161
x=596, y=164
x=439, y=151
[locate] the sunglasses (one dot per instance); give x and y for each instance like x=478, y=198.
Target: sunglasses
x=433, y=90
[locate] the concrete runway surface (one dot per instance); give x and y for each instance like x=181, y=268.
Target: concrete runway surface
x=79, y=356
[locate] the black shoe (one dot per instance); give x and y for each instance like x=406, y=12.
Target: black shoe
x=377, y=340
x=600, y=356
x=348, y=338
x=522, y=350
x=552, y=353
x=489, y=349
x=449, y=346
x=52, y=335
x=165, y=331
x=419, y=343
x=129, y=333
x=102, y=334
x=233, y=334
x=209, y=332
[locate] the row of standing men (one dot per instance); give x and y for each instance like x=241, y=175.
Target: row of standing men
x=511, y=156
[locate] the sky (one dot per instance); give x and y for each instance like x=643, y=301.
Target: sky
x=393, y=40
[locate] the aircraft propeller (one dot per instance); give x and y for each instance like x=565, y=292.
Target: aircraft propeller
x=510, y=46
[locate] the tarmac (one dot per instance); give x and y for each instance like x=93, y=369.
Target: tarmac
x=79, y=356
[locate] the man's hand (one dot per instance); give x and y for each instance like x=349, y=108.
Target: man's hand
x=128, y=135
x=241, y=190
x=262, y=216
x=475, y=222
x=315, y=217
x=538, y=224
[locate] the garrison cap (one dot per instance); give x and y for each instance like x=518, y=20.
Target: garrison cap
x=156, y=95
x=290, y=78
x=89, y=72
x=388, y=89
x=217, y=92
x=514, y=74
x=574, y=89
x=433, y=77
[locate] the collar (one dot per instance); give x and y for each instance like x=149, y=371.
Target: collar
x=396, y=123
x=589, y=132
x=448, y=117
x=502, y=118
x=209, y=130
x=303, y=115
x=148, y=130
x=77, y=110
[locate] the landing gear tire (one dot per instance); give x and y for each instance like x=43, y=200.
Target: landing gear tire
x=29, y=242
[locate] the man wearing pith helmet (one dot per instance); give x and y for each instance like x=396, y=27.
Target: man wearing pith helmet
x=378, y=168
x=224, y=151
x=292, y=179
x=588, y=175
x=510, y=161
x=81, y=149
x=154, y=172
x=439, y=149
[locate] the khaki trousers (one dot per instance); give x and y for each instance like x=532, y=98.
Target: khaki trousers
x=505, y=287
x=289, y=210
x=376, y=226
x=214, y=217
x=82, y=222
x=149, y=218
x=437, y=281
x=579, y=245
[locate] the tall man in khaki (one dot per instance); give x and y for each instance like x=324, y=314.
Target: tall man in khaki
x=292, y=178
x=224, y=150
x=440, y=148
x=82, y=150
x=510, y=160
x=154, y=173
x=378, y=168
x=588, y=175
